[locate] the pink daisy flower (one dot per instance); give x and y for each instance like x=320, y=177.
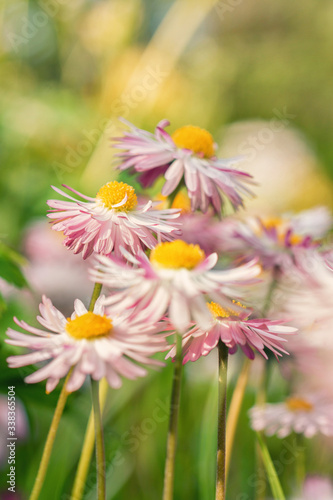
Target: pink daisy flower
x=188, y=154
x=234, y=329
x=308, y=415
x=110, y=220
x=94, y=343
x=281, y=242
x=318, y=487
x=174, y=279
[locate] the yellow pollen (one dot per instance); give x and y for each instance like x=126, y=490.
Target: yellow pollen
x=281, y=227
x=295, y=239
x=89, y=326
x=197, y=139
x=220, y=312
x=114, y=193
x=177, y=254
x=182, y=201
x=298, y=404
x=272, y=222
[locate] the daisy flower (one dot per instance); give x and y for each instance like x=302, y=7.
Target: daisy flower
x=233, y=327
x=280, y=242
x=318, y=487
x=94, y=343
x=187, y=155
x=304, y=415
x=110, y=220
x=174, y=279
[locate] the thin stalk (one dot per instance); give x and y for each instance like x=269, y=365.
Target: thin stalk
x=221, y=422
x=56, y=419
x=169, y=471
x=96, y=293
x=88, y=447
x=300, y=463
x=50, y=441
x=260, y=493
x=100, y=454
x=271, y=473
x=234, y=411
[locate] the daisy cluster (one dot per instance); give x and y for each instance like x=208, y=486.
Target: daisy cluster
x=156, y=282
x=178, y=265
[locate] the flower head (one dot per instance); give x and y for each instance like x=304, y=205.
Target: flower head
x=110, y=220
x=174, y=279
x=189, y=154
x=306, y=415
x=92, y=342
x=232, y=326
x=281, y=242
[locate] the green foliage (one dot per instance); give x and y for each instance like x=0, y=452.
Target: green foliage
x=10, y=267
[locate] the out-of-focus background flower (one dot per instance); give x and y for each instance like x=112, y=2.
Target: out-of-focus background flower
x=257, y=74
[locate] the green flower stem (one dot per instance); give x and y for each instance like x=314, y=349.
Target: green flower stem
x=169, y=471
x=50, y=441
x=56, y=419
x=96, y=293
x=271, y=473
x=100, y=454
x=300, y=463
x=221, y=422
x=261, y=398
x=234, y=411
x=88, y=447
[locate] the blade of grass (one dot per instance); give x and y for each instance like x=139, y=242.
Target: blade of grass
x=270, y=470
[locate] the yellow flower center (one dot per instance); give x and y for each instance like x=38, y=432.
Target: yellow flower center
x=116, y=192
x=89, y=326
x=177, y=254
x=272, y=222
x=298, y=404
x=220, y=312
x=197, y=139
x=281, y=228
x=181, y=201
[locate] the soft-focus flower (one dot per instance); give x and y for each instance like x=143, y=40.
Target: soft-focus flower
x=307, y=415
x=197, y=228
x=310, y=305
x=319, y=488
x=93, y=343
x=233, y=327
x=280, y=242
x=110, y=220
x=174, y=278
x=187, y=155
x=50, y=266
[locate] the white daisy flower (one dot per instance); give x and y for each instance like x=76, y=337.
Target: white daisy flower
x=94, y=343
x=308, y=415
x=188, y=155
x=175, y=278
x=110, y=220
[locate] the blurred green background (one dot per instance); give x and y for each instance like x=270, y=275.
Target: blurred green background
x=68, y=70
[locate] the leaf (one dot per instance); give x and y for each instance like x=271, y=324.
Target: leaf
x=3, y=305
x=270, y=470
x=10, y=269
